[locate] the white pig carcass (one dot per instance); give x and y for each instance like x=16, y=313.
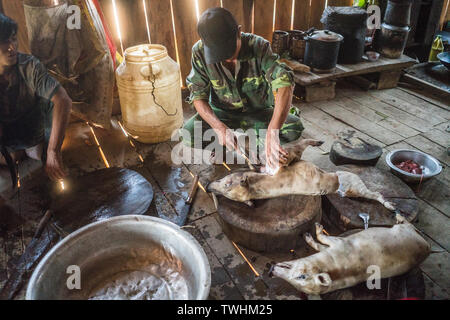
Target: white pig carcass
x=344, y=262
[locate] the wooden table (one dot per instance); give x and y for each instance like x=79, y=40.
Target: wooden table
x=321, y=86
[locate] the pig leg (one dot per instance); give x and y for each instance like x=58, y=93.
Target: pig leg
x=351, y=186
x=313, y=244
x=297, y=148
x=327, y=240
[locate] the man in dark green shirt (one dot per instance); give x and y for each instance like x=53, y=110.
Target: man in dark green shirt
x=29, y=97
x=232, y=83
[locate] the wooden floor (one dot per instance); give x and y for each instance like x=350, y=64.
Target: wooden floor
x=395, y=118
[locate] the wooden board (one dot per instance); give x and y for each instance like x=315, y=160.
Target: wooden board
x=316, y=13
x=283, y=15
x=302, y=12
x=383, y=64
x=273, y=224
x=263, y=24
x=343, y=212
x=241, y=13
x=186, y=33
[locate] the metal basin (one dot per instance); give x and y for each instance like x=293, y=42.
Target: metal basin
x=126, y=257
x=444, y=57
x=431, y=167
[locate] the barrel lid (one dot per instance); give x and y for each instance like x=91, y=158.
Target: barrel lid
x=145, y=53
x=326, y=35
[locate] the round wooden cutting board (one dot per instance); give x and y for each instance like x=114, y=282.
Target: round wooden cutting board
x=273, y=224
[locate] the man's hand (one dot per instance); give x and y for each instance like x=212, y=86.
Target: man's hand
x=276, y=156
x=227, y=137
x=54, y=166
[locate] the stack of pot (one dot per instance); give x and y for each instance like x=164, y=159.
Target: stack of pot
x=351, y=23
x=393, y=36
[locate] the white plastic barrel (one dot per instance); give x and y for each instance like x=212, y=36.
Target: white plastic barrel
x=150, y=93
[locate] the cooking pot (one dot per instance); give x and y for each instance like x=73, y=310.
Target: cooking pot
x=322, y=50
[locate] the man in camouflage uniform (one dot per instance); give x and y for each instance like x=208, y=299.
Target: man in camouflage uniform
x=231, y=85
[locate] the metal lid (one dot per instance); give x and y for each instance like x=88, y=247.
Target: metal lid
x=326, y=35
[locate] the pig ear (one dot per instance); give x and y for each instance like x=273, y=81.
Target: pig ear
x=323, y=279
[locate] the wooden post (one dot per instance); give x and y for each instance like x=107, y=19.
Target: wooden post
x=389, y=79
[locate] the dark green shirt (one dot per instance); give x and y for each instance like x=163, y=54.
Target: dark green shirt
x=25, y=103
x=258, y=74
x=29, y=85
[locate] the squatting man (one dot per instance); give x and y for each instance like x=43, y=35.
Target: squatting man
x=232, y=83
x=34, y=107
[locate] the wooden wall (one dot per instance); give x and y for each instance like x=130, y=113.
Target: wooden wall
x=179, y=33
x=254, y=15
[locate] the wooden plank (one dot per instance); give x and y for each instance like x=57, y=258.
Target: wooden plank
x=302, y=11
x=383, y=64
x=186, y=31
x=205, y=4
x=424, y=102
x=317, y=8
x=407, y=106
x=14, y=10
x=340, y=3
x=247, y=8
x=263, y=18
x=376, y=117
x=330, y=124
x=161, y=27
x=283, y=15
x=249, y=286
x=417, y=123
x=135, y=24
x=439, y=137
x=240, y=12
x=372, y=129
x=427, y=146
x=430, y=97
x=433, y=291
x=434, y=224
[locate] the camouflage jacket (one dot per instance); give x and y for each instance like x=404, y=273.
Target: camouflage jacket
x=258, y=74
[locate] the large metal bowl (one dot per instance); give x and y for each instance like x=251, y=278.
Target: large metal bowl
x=431, y=167
x=116, y=248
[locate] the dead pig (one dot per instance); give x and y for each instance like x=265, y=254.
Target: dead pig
x=344, y=262
x=299, y=178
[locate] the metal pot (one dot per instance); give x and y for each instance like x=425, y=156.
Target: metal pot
x=122, y=246
x=322, y=50
x=398, y=13
x=391, y=40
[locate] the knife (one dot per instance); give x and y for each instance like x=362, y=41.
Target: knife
x=184, y=212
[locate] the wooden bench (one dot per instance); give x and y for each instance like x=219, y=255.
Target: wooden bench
x=317, y=87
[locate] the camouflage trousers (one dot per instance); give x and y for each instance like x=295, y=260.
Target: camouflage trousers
x=291, y=130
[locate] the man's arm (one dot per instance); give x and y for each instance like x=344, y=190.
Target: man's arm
x=226, y=137
x=61, y=112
